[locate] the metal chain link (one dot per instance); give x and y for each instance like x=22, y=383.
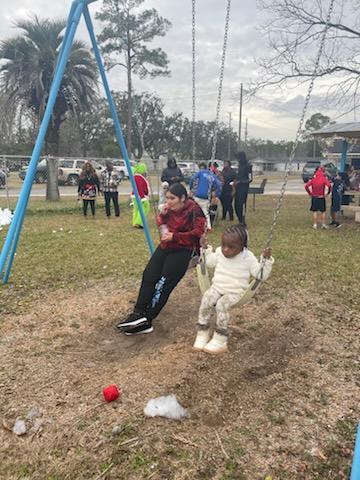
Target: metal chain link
x=193, y=78
x=221, y=78
x=299, y=130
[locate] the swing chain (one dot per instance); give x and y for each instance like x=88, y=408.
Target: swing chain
x=221, y=78
x=193, y=77
x=299, y=130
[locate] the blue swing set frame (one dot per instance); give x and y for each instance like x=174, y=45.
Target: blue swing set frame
x=77, y=9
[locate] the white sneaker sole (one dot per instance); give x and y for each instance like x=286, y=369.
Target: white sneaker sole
x=218, y=351
x=134, y=323
x=147, y=330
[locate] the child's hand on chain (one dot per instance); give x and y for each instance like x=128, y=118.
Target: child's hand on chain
x=266, y=252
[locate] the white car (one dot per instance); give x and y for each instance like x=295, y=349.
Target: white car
x=188, y=168
x=120, y=167
x=70, y=170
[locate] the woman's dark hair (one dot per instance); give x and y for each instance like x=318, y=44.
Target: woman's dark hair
x=178, y=190
x=202, y=165
x=227, y=163
x=171, y=162
x=84, y=172
x=241, y=157
x=240, y=231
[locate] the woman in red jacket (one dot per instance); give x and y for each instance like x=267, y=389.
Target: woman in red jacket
x=182, y=223
x=316, y=188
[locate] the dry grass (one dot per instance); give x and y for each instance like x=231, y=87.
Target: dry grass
x=283, y=403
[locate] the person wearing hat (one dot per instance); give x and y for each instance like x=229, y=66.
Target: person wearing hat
x=143, y=189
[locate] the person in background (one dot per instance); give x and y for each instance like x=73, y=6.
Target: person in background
x=143, y=189
x=214, y=209
x=226, y=197
x=242, y=181
x=338, y=188
x=316, y=189
x=172, y=174
x=202, y=184
x=354, y=178
x=89, y=186
x=109, y=181
x=181, y=224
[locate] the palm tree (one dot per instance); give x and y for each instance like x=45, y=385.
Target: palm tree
x=27, y=74
x=28, y=70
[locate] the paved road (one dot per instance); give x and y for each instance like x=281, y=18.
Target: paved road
x=295, y=186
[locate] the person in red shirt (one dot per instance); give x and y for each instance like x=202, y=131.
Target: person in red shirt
x=316, y=189
x=181, y=224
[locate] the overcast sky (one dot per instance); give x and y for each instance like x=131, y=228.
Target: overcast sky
x=271, y=115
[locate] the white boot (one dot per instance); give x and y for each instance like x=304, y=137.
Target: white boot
x=218, y=344
x=202, y=338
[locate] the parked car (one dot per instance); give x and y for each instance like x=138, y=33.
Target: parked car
x=68, y=173
x=70, y=170
x=120, y=167
x=188, y=169
x=311, y=166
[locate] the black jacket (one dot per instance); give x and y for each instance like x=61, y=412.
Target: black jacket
x=172, y=175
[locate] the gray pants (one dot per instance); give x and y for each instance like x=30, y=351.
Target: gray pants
x=222, y=303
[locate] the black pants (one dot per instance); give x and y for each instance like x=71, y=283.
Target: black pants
x=114, y=196
x=85, y=206
x=161, y=275
x=241, y=194
x=227, y=207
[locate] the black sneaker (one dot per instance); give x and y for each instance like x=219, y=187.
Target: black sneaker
x=145, y=327
x=132, y=320
x=338, y=225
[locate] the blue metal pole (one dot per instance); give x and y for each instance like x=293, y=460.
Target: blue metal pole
x=118, y=130
x=20, y=220
x=344, y=147
x=9, y=248
x=355, y=469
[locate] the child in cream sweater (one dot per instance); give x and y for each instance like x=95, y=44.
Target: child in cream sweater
x=234, y=266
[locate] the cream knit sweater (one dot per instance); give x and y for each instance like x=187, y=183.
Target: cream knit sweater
x=232, y=275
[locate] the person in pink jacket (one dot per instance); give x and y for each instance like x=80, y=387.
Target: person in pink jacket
x=316, y=189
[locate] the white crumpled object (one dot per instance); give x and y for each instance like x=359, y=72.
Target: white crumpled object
x=166, y=406
x=5, y=217
x=19, y=427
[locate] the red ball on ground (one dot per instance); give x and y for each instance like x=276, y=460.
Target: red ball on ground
x=111, y=393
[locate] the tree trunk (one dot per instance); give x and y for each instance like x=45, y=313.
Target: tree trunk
x=52, y=184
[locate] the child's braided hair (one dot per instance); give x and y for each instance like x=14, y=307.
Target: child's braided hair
x=240, y=231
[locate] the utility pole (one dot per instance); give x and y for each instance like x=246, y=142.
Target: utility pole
x=240, y=115
x=229, y=138
x=246, y=131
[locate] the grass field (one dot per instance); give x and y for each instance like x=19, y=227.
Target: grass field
x=283, y=404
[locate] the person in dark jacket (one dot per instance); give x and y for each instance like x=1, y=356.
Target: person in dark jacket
x=226, y=197
x=89, y=187
x=172, y=174
x=181, y=225
x=242, y=181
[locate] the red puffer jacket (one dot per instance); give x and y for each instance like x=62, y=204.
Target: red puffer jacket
x=187, y=226
x=316, y=186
